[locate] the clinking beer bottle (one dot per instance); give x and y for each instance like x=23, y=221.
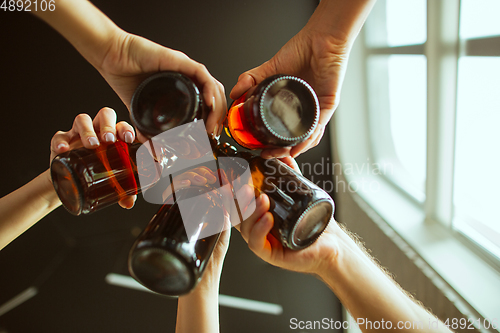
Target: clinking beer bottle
x=281, y=111
x=170, y=255
x=164, y=101
x=169, y=260
x=87, y=180
x=301, y=210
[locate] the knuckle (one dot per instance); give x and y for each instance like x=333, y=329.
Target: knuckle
x=107, y=111
x=124, y=124
x=202, y=68
x=87, y=133
x=107, y=128
x=82, y=117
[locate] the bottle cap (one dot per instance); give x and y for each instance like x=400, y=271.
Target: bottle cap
x=289, y=109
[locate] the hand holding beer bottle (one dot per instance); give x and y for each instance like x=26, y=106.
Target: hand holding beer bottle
x=256, y=231
x=99, y=136
x=27, y=205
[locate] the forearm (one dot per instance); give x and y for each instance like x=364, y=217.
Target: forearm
x=84, y=26
x=24, y=207
x=340, y=19
x=368, y=293
x=199, y=311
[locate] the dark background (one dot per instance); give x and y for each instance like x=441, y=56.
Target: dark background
x=44, y=84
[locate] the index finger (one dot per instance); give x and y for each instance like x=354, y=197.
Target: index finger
x=105, y=121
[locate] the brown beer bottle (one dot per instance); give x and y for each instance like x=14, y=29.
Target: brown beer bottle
x=301, y=210
x=281, y=111
x=87, y=180
x=164, y=101
x=170, y=256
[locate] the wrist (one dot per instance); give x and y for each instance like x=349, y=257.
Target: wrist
x=47, y=191
x=339, y=20
x=341, y=248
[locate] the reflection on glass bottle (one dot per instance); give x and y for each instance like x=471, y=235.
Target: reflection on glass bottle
x=165, y=108
x=281, y=111
x=164, y=101
x=87, y=180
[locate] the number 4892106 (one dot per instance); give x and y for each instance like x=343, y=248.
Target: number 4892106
x=28, y=5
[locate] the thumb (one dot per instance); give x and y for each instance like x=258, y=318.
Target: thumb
x=252, y=77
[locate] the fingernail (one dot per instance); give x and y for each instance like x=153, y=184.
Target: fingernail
x=60, y=146
x=129, y=137
x=199, y=179
x=133, y=204
x=216, y=128
x=220, y=130
x=93, y=141
x=184, y=182
x=109, y=137
x=212, y=179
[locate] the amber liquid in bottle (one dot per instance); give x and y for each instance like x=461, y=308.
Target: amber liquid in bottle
x=90, y=179
x=281, y=111
x=301, y=210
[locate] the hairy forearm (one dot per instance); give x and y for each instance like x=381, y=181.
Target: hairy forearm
x=84, y=26
x=367, y=292
x=340, y=19
x=24, y=207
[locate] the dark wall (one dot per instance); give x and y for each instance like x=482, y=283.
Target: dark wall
x=45, y=83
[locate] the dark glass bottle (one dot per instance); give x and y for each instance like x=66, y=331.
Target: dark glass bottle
x=281, y=111
x=301, y=210
x=169, y=257
x=164, y=101
x=87, y=180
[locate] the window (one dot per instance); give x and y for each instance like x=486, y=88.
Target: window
x=476, y=178
x=422, y=94
x=460, y=96
x=397, y=84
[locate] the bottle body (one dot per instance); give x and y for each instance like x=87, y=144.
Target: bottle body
x=301, y=210
x=170, y=255
x=87, y=180
x=164, y=101
x=281, y=111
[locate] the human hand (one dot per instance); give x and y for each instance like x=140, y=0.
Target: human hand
x=90, y=133
x=131, y=59
x=255, y=230
x=316, y=57
x=199, y=176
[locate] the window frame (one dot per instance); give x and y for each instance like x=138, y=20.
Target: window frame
x=426, y=226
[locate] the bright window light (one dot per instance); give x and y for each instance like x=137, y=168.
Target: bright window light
x=407, y=104
x=406, y=22
x=479, y=18
x=477, y=151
